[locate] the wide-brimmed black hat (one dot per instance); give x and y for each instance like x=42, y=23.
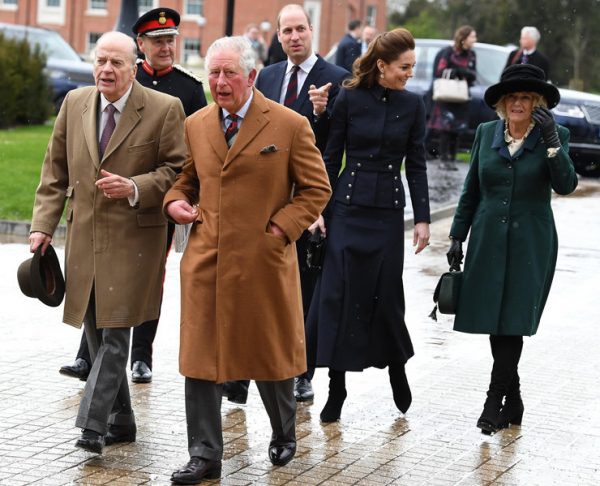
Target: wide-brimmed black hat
x=157, y=22
x=522, y=77
x=40, y=277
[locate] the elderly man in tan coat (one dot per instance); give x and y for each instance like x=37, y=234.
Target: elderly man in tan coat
x=253, y=182
x=112, y=156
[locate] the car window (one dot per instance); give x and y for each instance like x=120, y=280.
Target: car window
x=50, y=43
x=490, y=63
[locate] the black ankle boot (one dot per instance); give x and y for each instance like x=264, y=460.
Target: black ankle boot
x=337, y=394
x=488, y=422
x=512, y=411
x=400, y=387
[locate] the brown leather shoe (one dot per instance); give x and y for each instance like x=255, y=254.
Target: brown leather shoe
x=196, y=470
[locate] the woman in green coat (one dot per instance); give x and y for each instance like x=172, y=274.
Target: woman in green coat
x=515, y=163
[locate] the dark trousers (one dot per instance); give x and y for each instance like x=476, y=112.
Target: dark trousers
x=203, y=413
x=506, y=351
x=105, y=399
x=143, y=335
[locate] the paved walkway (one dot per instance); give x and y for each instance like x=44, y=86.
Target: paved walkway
x=436, y=443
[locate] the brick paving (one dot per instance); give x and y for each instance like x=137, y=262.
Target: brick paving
x=436, y=443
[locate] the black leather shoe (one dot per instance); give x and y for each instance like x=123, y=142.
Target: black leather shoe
x=196, y=470
x=118, y=434
x=79, y=369
x=90, y=441
x=141, y=372
x=303, y=390
x=280, y=455
x=236, y=391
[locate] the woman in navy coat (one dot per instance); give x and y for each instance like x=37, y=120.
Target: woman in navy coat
x=356, y=317
x=516, y=162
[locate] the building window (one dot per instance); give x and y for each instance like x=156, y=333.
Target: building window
x=97, y=4
x=371, y=15
x=191, y=50
x=194, y=7
x=92, y=40
x=144, y=6
x=52, y=3
x=9, y=4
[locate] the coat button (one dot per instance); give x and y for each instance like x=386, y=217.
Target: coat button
x=352, y=173
x=348, y=196
x=505, y=201
x=349, y=185
x=509, y=166
x=390, y=167
x=504, y=220
x=396, y=203
x=395, y=178
x=358, y=165
x=396, y=189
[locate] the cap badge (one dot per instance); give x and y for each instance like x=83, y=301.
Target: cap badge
x=161, y=19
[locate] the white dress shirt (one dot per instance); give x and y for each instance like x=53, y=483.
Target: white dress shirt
x=305, y=68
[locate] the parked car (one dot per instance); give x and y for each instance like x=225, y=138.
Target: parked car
x=578, y=111
x=64, y=68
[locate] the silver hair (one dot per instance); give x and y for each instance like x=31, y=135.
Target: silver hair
x=531, y=32
x=124, y=38
x=237, y=44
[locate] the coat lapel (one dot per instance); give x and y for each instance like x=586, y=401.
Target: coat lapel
x=499, y=143
x=254, y=121
x=312, y=78
x=89, y=122
x=130, y=117
x=214, y=130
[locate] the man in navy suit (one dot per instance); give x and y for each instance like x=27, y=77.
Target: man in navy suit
x=308, y=85
x=349, y=48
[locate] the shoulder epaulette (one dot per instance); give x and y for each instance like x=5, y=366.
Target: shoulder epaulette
x=139, y=61
x=181, y=69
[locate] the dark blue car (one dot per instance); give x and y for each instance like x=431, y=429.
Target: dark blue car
x=64, y=68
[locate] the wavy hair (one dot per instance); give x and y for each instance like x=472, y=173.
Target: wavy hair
x=387, y=46
x=460, y=35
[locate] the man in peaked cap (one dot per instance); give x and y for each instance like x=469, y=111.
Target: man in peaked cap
x=156, y=32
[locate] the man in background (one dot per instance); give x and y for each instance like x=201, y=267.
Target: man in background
x=528, y=53
x=349, y=47
x=368, y=34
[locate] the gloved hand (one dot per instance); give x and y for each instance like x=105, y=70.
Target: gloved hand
x=544, y=118
x=455, y=254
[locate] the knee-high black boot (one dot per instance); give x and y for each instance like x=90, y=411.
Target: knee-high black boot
x=337, y=394
x=506, y=351
x=400, y=387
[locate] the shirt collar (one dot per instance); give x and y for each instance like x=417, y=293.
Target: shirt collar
x=508, y=138
x=528, y=52
x=306, y=66
x=243, y=110
x=119, y=104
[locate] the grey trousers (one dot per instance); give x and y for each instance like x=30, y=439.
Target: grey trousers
x=203, y=412
x=106, y=399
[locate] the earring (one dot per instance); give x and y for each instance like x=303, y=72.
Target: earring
x=381, y=75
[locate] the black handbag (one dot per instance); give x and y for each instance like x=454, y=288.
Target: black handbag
x=315, y=254
x=447, y=291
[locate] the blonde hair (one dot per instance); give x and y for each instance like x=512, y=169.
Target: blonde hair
x=538, y=100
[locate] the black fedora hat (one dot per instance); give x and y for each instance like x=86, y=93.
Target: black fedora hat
x=522, y=77
x=40, y=277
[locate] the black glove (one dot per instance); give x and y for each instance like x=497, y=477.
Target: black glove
x=544, y=118
x=455, y=254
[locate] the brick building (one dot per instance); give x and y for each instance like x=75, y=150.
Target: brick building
x=81, y=22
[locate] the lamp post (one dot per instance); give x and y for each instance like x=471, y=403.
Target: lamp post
x=229, y=17
x=201, y=21
x=127, y=17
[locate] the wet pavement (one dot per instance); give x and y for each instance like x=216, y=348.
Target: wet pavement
x=436, y=443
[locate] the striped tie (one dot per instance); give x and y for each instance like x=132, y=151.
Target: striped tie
x=232, y=129
x=292, y=89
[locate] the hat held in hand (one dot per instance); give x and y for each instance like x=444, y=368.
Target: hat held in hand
x=40, y=277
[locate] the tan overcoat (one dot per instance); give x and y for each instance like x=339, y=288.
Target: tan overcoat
x=118, y=247
x=241, y=315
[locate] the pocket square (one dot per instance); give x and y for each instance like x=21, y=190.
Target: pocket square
x=269, y=149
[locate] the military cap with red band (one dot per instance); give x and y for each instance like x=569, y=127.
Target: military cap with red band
x=157, y=22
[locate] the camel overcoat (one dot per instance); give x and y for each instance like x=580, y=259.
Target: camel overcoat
x=118, y=248
x=241, y=309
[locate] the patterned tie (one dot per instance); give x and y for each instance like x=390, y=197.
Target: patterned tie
x=109, y=128
x=292, y=89
x=232, y=129
x=524, y=58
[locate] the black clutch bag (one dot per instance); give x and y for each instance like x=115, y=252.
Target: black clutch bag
x=315, y=254
x=447, y=291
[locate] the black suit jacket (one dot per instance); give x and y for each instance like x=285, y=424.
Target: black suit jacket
x=347, y=51
x=270, y=81
x=535, y=59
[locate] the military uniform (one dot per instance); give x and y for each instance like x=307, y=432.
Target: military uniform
x=175, y=81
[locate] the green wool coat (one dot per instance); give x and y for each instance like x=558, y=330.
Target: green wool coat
x=511, y=255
